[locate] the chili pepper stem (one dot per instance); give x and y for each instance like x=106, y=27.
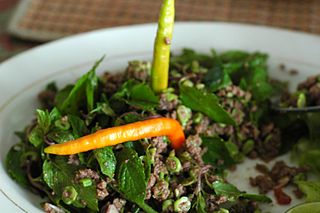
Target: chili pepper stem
x=161, y=51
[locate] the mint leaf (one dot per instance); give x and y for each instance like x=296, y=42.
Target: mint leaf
x=41, y=129
x=207, y=103
x=256, y=197
x=131, y=177
x=79, y=127
x=71, y=100
x=232, y=192
x=216, y=150
x=216, y=78
x=13, y=164
x=58, y=174
x=60, y=136
x=142, y=96
x=54, y=114
x=200, y=205
x=138, y=95
x=106, y=160
x=225, y=189
x=44, y=120
x=36, y=136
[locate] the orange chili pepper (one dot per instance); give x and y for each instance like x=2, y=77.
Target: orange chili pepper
x=115, y=135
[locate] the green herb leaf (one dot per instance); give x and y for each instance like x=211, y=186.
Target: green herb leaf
x=200, y=205
x=232, y=192
x=216, y=78
x=13, y=164
x=106, y=160
x=311, y=189
x=256, y=197
x=207, y=103
x=136, y=94
x=58, y=174
x=216, y=150
x=79, y=127
x=307, y=153
x=225, y=189
x=60, y=136
x=54, y=114
x=36, y=136
x=44, y=120
x=85, y=85
x=143, y=97
x=131, y=177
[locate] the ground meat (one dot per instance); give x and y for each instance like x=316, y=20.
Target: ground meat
x=202, y=126
x=211, y=203
x=179, y=190
x=244, y=207
x=152, y=181
x=150, y=184
x=263, y=182
x=112, y=82
x=138, y=70
x=193, y=146
x=167, y=105
x=159, y=166
x=220, y=130
x=186, y=166
x=269, y=147
x=73, y=160
x=262, y=168
x=279, y=176
x=119, y=203
x=310, y=87
x=102, y=191
x=314, y=95
x=47, y=98
x=111, y=209
x=159, y=144
x=249, y=130
x=308, y=83
x=50, y=208
x=161, y=190
x=221, y=199
x=280, y=170
x=86, y=173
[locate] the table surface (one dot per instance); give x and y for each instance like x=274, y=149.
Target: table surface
x=66, y=17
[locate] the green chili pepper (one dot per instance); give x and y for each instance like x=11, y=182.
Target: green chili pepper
x=166, y=205
x=182, y=205
x=161, y=52
x=173, y=164
x=69, y=195
x=86, y=182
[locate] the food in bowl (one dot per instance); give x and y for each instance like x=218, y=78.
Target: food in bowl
x=222, y=103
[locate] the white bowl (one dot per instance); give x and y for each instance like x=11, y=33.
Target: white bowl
x=23, y=76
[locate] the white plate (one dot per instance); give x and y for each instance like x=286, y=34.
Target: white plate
x=23, y=76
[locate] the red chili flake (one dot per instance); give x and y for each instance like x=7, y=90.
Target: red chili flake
x=281, y=196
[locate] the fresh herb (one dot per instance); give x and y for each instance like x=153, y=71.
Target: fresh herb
x=311, y=189
x=69, y=100
x=58, y=174
x=204, y=102
x=216, y=150
x=106, y=160
x=138, y=95
x=131, y=178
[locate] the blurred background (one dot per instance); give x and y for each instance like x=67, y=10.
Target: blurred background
x=28, y=23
